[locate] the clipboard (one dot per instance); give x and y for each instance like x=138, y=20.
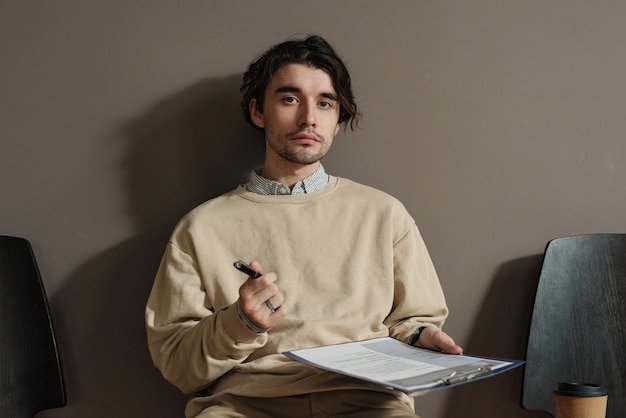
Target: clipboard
x=392, y=363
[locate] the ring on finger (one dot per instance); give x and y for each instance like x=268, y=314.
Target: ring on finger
x=270, y=306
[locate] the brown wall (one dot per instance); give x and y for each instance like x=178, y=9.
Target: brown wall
x=500, y=124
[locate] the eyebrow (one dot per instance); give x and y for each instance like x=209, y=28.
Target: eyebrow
x=293, y=89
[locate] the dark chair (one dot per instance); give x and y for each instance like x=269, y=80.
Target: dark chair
x=30, y=372
x=578, y=326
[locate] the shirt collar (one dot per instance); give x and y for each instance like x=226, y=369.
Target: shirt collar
x=264, y=186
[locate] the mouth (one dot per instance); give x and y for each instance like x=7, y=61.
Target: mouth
x=305, y=137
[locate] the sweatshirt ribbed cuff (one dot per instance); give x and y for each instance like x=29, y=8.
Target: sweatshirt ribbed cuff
x=249, y=324
x=416, y=335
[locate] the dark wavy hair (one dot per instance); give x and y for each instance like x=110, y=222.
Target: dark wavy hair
x=313, y=51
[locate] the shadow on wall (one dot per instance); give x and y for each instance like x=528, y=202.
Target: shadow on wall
x=506, y=309
x=186, y=149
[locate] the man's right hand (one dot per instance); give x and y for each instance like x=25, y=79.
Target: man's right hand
x=255, y=292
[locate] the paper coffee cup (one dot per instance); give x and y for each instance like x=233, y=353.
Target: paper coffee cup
x=580, y=400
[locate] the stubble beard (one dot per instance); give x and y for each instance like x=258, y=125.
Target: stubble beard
x=301, y=154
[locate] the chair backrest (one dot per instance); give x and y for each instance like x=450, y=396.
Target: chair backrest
x=31, y=379
x=578, y=326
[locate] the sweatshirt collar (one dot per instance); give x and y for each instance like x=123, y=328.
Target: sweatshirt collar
x=264, y=186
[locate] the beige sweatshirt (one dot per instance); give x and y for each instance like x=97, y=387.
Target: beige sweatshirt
x=351, y=265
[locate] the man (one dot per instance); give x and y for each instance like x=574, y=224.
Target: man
x=338, y=262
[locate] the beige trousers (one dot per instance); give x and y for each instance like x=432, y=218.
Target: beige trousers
x=340, y=403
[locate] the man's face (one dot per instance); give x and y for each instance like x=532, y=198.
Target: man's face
x=300, y=114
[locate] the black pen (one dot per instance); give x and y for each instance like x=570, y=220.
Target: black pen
x=244, y=268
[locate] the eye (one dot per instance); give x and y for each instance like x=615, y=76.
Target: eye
x=290, y=99
x=326, y=104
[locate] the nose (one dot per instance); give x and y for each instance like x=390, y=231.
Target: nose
x=308, y=117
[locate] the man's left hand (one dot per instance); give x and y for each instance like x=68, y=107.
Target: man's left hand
x=435, y=339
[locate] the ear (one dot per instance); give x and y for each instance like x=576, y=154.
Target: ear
x=255, y=114
x=336, y=129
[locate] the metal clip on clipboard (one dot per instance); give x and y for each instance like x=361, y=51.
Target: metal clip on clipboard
x=459, y=377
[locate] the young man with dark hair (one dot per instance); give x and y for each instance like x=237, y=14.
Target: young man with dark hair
x=338, y=261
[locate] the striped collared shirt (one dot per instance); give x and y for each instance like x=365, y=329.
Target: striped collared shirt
x=261, y=185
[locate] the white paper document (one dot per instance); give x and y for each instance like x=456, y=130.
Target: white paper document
x=390, y=362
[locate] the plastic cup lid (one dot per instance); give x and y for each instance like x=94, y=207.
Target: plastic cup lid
x=580, y=389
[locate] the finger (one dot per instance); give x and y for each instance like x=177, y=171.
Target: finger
x=447, y=344
x=270, y=306
x=258, y=290
x=274, y=302
x=256, y=266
